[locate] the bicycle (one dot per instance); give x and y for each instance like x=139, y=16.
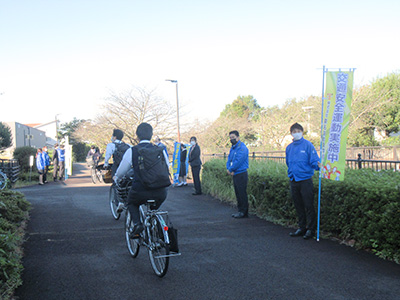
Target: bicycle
x=3, y=180
x=96, y=173
x=154, y=237
x=119, y=193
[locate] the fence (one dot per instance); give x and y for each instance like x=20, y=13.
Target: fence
x=351, y=163
x=11, y=168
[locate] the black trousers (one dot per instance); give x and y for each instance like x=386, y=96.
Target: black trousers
x=46, y=169
x=240, y=184
x=196, y=178
x=139, y=196
x=61, y=164
x=55, y=170
x=303, y=199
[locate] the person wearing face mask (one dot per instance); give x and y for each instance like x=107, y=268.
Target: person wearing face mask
x=237, y=165
x=302, y=159
x=195, y=164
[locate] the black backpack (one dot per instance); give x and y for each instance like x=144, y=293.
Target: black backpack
x=151, y=169
x=119, y=152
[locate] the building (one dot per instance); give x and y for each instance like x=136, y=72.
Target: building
x=24, y=135
x=50, y=128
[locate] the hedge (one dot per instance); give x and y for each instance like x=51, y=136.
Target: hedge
x=364, y=209
x=13, y=216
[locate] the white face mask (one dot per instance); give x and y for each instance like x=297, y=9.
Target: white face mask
x=297, y=136
x=193, y=143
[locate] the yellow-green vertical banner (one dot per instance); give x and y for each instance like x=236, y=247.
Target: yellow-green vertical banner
x=336, y=117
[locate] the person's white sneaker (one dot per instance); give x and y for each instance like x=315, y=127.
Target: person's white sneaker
x=180, y=184
x=120, y=207
x=185, y=183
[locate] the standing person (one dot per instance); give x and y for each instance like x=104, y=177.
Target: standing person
x=139, y=193
x=182, y=169
x=116, y=150
x=55, y=162
x=237, y=165
x=40, y=165
x=46, y=163
x=157, y=142
x=195, y=164
x=61, y=161
x=302, y=159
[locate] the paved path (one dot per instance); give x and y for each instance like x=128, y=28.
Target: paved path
x=75, y=250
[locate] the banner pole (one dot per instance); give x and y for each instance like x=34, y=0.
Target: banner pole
x=320, y=152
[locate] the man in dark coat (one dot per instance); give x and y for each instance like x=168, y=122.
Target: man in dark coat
x=195, y=164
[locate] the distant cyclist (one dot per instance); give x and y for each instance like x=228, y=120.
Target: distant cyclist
x=148, y=183
x=116, y=150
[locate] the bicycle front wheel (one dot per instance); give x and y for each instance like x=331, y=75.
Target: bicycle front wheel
x=158, y=250
x=3, y=181
x=112, y=197
x=133, y=244
x=93, y=175
x=99, y=176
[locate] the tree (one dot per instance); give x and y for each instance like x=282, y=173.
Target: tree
x=239, y=115
x=126, y=111
x=375, y=106
x=244, y=107
x=23, y=154
x=5, y=136
x=68, y=129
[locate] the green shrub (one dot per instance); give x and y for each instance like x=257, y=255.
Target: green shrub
x=79, y=152
x=13, y=212
x=22, y=154
x=365, y=207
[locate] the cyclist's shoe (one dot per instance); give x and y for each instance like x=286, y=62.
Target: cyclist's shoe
x=136, y=231
x=120, y=207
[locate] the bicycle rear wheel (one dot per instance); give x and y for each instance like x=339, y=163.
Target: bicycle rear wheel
x=112, y=198
x=158, y=250
x=3, y=181
x=93, y=175
x=133, y=244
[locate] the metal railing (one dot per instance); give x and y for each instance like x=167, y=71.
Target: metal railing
x=11, y=168
x=358, y=163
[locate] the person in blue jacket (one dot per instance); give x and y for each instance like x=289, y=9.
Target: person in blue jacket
x=40, y=165
x=46, y=158
x=237, y=165
x=61, y=161
x=302, y=159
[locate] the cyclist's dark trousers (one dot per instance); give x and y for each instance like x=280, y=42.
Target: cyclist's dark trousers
x=240, y=184
x=139, y=196
x=303, y=199
x=196, y=178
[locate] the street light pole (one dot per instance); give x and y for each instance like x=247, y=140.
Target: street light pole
x=177, y=107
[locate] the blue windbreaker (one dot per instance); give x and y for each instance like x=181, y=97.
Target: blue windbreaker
x=46, y=159
x=61, y=154
x=40, y=161
x=238, y=158
x=302, y=159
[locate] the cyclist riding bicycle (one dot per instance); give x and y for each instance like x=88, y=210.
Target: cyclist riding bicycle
x=141, y=191
x=116, y=149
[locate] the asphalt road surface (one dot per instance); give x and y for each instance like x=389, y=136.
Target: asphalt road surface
x=76, y=250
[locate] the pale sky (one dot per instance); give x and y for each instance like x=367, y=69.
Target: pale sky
x=64, y=57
